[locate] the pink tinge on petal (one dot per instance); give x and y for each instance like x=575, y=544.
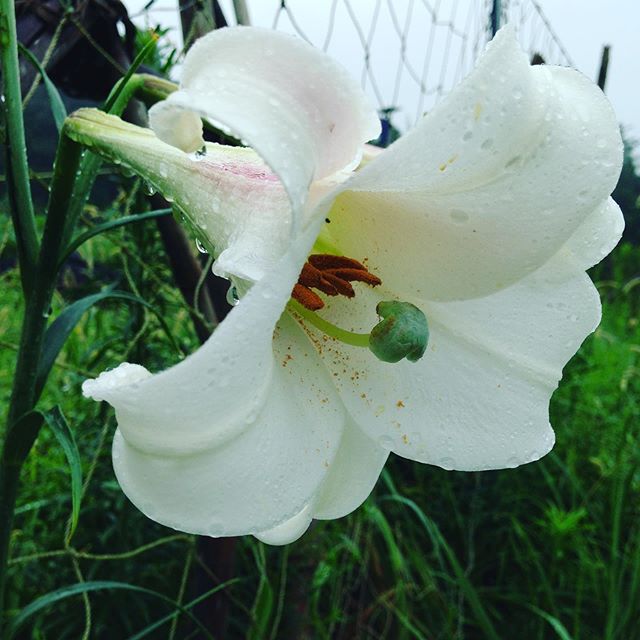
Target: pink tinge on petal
x=249, y=172
x=293, y=104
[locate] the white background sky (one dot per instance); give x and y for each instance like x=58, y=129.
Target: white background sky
x=583, y=27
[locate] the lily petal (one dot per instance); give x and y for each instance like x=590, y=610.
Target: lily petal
x=262, y=481
x=352, y=476
x=296, y=107
x=590, y=243
x=219, y=444
x=490, y=185
x=479, y=398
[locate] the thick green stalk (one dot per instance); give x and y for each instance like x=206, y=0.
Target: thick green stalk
x=24, y=393
x=17, y=166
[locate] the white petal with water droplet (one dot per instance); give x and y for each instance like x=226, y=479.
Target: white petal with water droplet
x=440, y=216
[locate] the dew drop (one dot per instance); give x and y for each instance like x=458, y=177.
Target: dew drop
x=200, y=246
x=386, y=442
x=198, y=155
x=459, y=216
x=487, y=144
x=232, y=296
x=149, y=189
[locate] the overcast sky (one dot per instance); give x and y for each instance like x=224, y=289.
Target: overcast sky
x=437, y=57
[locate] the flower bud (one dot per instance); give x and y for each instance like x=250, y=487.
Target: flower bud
x=403, y=332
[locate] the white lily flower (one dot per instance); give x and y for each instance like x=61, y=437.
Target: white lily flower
x=485, y=217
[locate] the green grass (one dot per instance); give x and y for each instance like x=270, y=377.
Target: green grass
x=549, y=550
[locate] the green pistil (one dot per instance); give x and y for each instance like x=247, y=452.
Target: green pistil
x=348, y=337
x=402, y=333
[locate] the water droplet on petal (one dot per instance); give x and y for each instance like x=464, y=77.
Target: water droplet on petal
x=459, y=217
x=232, y=296
x=200, y=246
x=198, y=155
x=386, y=442
x=487, y=144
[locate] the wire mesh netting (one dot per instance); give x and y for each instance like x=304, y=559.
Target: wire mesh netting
x=407, y=53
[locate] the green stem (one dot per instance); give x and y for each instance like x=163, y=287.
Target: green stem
x=123, y=91
x=73, y=178
x=348, y=337
x=25, y=391
x=17, y=165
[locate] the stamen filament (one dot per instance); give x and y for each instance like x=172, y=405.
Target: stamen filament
x=348, y=337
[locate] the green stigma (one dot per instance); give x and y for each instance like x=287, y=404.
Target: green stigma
x=402, y=333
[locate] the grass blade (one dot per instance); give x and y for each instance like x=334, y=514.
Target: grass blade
x=158, y=623
x=107, y=226
x=557, y=626
x=463, y=581
x=58, y=109
x=61, y=429
x=52, y=597
x=58, y=332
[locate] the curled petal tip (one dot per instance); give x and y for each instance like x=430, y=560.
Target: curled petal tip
x=176, y=126
x=102, y=387
x=289, y=531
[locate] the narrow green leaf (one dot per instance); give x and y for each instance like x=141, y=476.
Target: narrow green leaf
x=158, y=623
x=85, y=587
x=557, y=626
x=61, y=429
x=118, y=94
x=58, y=109
x=263, y=604
x=58, y=332
x=463, y=581
x=107, y=226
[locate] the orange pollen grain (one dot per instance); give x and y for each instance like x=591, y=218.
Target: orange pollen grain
x=331, y=275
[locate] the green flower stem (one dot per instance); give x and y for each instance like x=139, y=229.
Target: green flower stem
x=122, y=92
x=17, y=166
x=25, y=392
x=73, y=178
x=348, y=337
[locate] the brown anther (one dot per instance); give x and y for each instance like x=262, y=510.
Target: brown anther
x=306, y=297
x=332, y=275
